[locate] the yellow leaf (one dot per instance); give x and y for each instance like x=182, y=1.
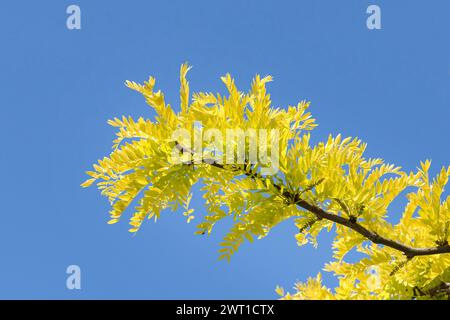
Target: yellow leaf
x=142, y=180
x=87, y=183
x=280, y=291
x=113, y=221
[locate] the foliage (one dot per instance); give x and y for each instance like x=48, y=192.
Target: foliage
x=330, y=185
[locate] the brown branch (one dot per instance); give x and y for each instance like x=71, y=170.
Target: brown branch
x=439, y=291
x=351, y=223
x=443, y=289
x=410, y=252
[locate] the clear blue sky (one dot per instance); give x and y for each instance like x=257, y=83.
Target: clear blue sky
x=390, y=87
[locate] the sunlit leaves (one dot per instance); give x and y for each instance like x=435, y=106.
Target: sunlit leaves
x=334, y=175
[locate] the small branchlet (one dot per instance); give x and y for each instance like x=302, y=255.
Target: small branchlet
x=343, y=206
x=399, y=266
x=308, y=224
x=442, y=242
x=311, y=186
x=442, y=290
x=360, y=208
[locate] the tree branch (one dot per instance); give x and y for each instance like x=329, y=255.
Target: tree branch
x=439, y=291
x=409, y=252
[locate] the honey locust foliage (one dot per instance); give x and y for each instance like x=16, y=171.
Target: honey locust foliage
x=326, y=186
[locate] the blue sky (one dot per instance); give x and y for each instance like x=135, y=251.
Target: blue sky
x=390, y=87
